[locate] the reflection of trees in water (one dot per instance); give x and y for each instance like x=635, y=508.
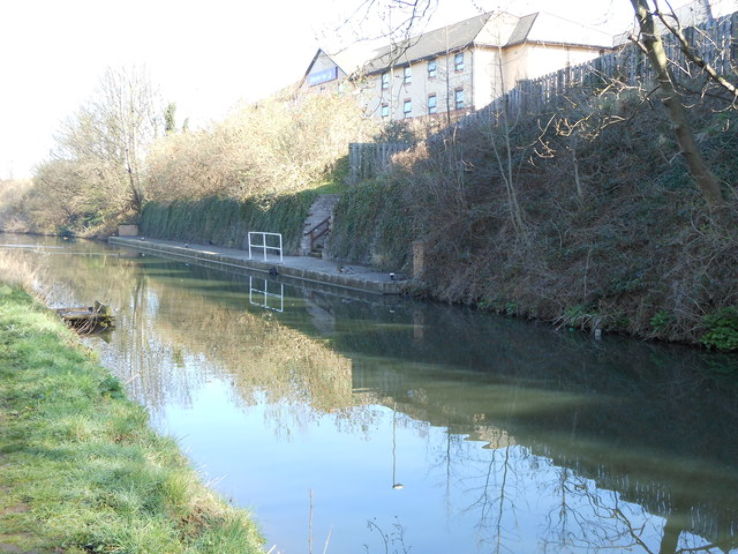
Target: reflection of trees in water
x=297, y=376
x=258, y=353
x=596, y=429
x=612, y=489
x=173, y=330
x=690, y=500
x=492, y=500
x=152, y=370
x=592, y=518
x=576, y=514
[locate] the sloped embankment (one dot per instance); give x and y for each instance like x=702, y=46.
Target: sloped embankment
x=583, y=215
x=81, y=469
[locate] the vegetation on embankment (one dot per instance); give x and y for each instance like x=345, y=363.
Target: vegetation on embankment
x=372, y=225
x=226, y=222
x=260, y=155
x=259, y=170
x=279, y=146
x=583, y=215
x=81, y=469
x=12, y=193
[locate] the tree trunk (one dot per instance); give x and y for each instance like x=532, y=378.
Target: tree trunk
x=654, y=47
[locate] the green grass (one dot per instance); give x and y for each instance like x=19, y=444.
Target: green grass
x=81, y=471
x=330, y=187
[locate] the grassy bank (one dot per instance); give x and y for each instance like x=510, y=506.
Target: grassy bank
x=81, y=469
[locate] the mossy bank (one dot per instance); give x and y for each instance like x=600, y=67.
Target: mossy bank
x=81, y=469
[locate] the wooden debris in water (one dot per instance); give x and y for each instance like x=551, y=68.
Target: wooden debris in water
x=87, y=319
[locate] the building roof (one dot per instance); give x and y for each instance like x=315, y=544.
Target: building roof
x=446, y=39
x=354, y=58
x=544, y=27
x=493, y=29
x=349, y=60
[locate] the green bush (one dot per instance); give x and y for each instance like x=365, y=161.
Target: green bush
x=661, y=320
x=722, y=329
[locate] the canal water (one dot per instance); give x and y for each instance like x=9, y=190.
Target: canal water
x=360, y=424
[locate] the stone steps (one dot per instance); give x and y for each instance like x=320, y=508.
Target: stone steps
x=321, y=210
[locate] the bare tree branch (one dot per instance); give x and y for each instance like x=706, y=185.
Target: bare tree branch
x=671, y=22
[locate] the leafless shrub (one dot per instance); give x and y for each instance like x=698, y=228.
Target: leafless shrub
x=12, y=195
x=277, y=145
x=616, y=234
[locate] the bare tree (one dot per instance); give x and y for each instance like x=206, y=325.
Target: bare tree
x=398, y=18
x=651, y=43
x=114, y=129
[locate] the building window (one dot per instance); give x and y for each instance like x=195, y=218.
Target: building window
x=385, y=80
x=407, y=108
x=432, y=69
x=459, y=61
x=432, y=104
x=385, y=110
x=407, y=75
x=459, y=98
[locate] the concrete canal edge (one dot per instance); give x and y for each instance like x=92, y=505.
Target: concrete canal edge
x=301, y=268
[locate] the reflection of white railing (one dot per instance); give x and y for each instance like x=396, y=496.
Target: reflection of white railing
x=260, y=297
x=263, y=244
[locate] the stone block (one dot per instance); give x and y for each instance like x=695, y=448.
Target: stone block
x=127, y=230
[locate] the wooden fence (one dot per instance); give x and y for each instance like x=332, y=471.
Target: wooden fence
x=716, y=41
x=369, y=159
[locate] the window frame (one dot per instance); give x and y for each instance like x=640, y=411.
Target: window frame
x=384, y=108
x=459, y=92
x=432, y=108
x=432, y=68
x=407, y=103
x=407, y=75
x=384, y=80
x=459, y=62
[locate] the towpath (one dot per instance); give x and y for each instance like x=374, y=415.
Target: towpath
x=303, y=268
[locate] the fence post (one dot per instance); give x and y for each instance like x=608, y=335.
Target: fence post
x=418, y=259
x=734, y=38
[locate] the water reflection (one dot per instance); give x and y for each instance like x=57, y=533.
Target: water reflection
x=417, y=426
x=266, y=294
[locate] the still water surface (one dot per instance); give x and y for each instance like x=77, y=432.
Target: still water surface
x=354, y=424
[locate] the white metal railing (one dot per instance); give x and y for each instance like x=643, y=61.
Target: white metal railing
x=263, y=244
x=260, y=297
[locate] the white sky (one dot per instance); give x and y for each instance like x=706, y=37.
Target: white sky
x=203, y=55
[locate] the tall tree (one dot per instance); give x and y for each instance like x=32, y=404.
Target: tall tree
x=114, y=129
x=170, y=124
